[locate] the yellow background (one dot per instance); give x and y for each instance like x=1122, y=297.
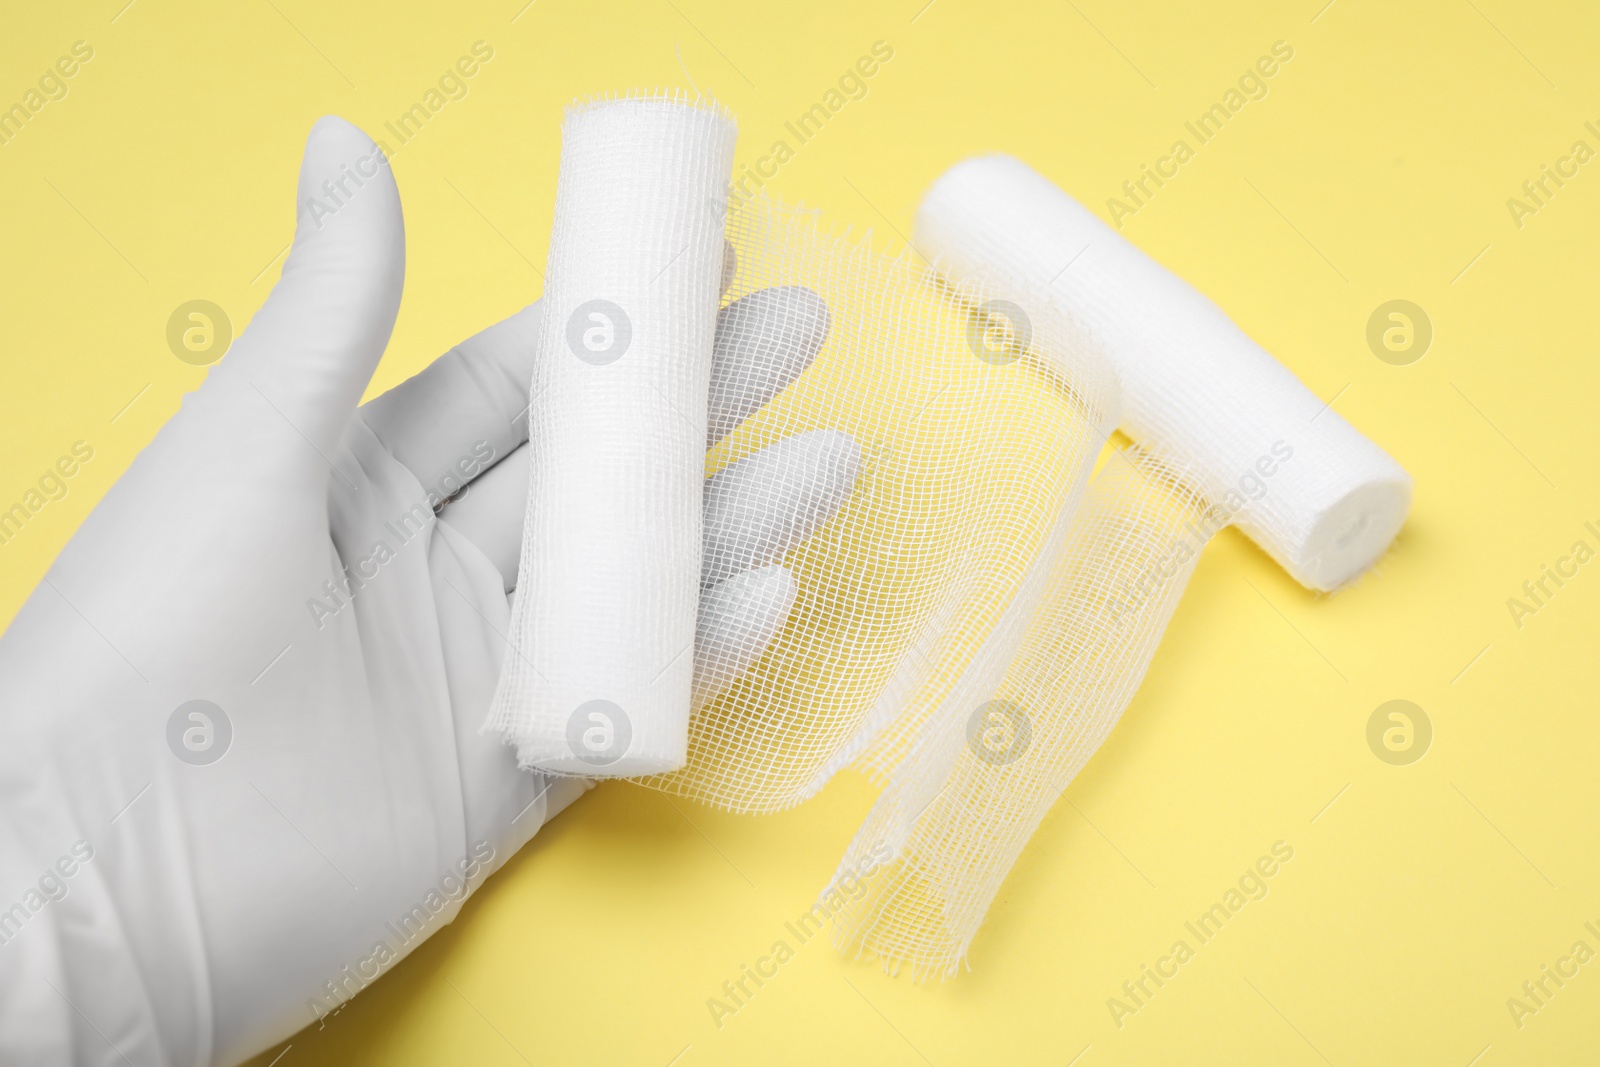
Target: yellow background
x=1378, y=167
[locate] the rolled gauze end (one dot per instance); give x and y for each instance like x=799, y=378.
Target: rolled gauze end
x=1305, y=485
x=597, y=678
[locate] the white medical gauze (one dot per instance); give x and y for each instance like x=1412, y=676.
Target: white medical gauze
x=597, y=681
x=920, y=875
x=938, y=458
x=1319, y=497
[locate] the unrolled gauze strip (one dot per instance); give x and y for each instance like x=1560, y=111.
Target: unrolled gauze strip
x=957, y=812
x=597, y=681
x=1306, y=486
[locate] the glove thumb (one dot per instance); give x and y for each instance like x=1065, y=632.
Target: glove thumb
x=313, y=346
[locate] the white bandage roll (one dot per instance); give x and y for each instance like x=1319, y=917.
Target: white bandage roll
x=1319, y=497
x=598, y=673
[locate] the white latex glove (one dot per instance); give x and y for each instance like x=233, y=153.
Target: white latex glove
x=156, y=908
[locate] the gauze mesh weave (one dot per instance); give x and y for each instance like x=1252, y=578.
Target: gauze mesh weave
x=1226, y=435
x=945, y=449
x=975, y=445
x=599, y=678
x=896, y=562
x=962, y=803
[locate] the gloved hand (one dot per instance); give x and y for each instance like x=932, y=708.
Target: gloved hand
x=188, y=882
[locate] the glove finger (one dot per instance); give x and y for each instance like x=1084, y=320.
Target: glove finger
x=466, y=410
x=765, y=504
x=490, y=513
x=756, y=510
x=738, y=620
x=764, y=341
x=313, y=346
x=473, y=400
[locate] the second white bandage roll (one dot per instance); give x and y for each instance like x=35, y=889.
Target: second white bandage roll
x=1282, y=465
x=598, y=672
